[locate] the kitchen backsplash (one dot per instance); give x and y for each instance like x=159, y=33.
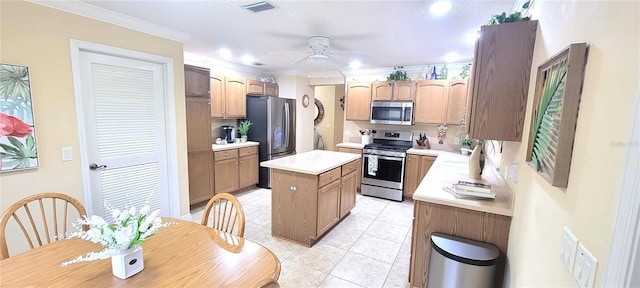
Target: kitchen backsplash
x=216, y=127
x=352, y=134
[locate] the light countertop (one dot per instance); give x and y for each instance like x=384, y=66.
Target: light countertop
x=217, y=147
x=448, y=169
x=351, y=145
x=313, y=162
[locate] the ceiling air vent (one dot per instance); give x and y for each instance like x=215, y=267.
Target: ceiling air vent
x=259, y=6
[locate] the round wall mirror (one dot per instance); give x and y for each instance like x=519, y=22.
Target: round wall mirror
x=319, y=112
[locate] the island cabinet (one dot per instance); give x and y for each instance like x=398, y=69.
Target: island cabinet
x=499, y=83
x=308, y=202
x=440, y=101
x=416, y=168
x=235, y=169
x=359, y=172
x=358, y=101
x=394, y=91
x=228, y=97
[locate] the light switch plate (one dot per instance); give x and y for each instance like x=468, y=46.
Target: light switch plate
x=569, y=246
x=585, y=268
x=67, y=153
x=513, y=173
x=456, y=140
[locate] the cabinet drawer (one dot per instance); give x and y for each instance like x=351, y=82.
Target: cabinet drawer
x=246, y=151
x=328, y=177
x=350, y=167
x=226, y=154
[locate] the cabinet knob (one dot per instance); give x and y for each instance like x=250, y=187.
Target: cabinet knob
x=293, y=188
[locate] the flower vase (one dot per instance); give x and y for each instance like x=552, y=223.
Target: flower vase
x=127, y=263
x=243, y=138
x=474, y=163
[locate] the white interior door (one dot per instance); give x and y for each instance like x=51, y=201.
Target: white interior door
x=123, y=103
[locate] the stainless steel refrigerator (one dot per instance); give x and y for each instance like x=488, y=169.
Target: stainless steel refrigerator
x=274, y=126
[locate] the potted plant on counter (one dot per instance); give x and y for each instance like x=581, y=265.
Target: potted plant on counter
x=465, y=145
x=243, y=129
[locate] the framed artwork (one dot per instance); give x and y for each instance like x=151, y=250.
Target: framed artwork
x=18, y=149
x=555, y=113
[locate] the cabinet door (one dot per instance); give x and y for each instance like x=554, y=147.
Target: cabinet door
x=457, y=102
x=358, y=101
x=226, y=175
x=348, y=193
x=411, y=171
x=293, y=202
x=217, y=97
x=381, y=90
x=404, y=90
x=235, y=97
x=196, y=81
x=248, y=169
x=200, y=171
x=198, y=123
x=425, y=164
x=500, y=79
x=328, y=206
x=431, y=97
x=255, y=87
x=271, y=89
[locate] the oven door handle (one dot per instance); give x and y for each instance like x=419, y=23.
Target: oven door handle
x=384, y=157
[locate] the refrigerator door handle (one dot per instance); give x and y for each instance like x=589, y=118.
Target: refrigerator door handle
x=286, y=124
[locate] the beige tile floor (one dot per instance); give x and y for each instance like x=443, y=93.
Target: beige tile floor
x=369, y=248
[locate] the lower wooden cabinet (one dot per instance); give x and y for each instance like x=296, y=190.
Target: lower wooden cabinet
x=415, y=169
x=304, y=207
x=359, y=172
x=235, y=169
x=200, y=176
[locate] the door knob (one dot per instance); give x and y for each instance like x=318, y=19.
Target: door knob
x=95, y=166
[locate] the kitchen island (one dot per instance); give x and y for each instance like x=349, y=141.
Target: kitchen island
x=311, y=192
x=436, y=210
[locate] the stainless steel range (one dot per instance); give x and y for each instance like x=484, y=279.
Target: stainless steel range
x=383, y=164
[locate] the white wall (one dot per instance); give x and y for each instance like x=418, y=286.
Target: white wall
x=294, y=87
x=588, y=205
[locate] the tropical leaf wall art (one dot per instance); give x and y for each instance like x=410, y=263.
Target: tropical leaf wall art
x=553, y=120
x=17, y=133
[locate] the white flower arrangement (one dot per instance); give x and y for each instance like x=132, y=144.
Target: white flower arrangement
x=131, y=228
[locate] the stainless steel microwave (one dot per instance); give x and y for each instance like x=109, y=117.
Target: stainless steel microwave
x=395, y=113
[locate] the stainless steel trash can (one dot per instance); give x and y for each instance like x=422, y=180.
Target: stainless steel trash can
x=461, y=262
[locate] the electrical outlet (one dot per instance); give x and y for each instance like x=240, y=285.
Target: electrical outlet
x=513, y=173
x=585, y=267
x=569, y=245
x=456, y=140
x=67, y=153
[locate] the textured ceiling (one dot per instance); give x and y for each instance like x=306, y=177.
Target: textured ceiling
x=393, y=33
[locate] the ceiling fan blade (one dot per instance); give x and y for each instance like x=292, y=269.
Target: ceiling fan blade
x=288, y=52
x=300, y=61
x=349, y=52
x=337, y=62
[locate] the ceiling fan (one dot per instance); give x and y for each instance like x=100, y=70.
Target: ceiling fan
x=319, y=52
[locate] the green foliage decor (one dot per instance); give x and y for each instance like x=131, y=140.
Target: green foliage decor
x=513, y=17
x=243, y=128
x=397, y=75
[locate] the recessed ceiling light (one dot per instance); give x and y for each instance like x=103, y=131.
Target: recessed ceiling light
x=355, y=64
x=472, y=37
x=225, y=53
x=440, y=7
x=451, y=57
x=248, y=59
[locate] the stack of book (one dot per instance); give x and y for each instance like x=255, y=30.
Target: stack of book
x=471, y=189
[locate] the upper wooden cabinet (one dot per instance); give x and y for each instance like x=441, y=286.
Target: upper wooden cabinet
x=431, y=101
x=260, y=88
x=457, y=102
x=196, y=81
x=404, y=90
x=397, y=91
x=499, y=82
x=358, y=101
x=228, y=97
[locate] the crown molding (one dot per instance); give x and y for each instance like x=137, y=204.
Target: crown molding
x=105, y=15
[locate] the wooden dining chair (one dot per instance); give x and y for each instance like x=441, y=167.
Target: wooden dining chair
x=41, y=217
x=227, y=214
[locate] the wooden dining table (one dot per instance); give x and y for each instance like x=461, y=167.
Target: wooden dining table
x=184, y=254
